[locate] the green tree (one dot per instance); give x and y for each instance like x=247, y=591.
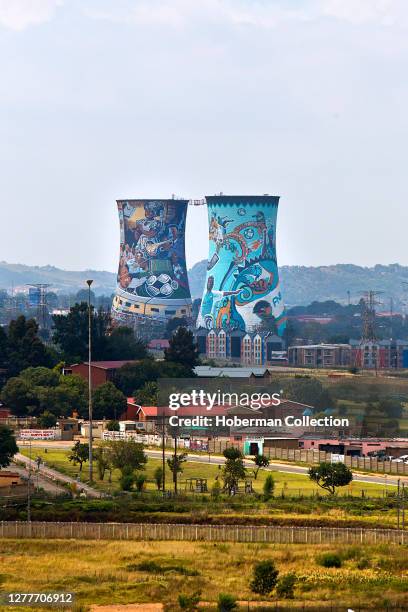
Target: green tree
x=175, y=463
x=108, y=402
x=8, y=446
x=140, y=481
x=71, y=333
x=127, y=455
x=183, y=349
x=122, y=344
x=330, y=476
x=16, y=395
x=308, y=391
x=147, y=395
x=133, y=376
x=261, y=461
x=158, y=477
x=79, y=454
x=173, y=324
x=24, y=347
x=103, y=460
x=46, y=420
x=233, y=470
x=265, y=576
x=40, y=377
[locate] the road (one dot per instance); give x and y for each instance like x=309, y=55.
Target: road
x=55, y=476
x=389, y=480
x=285, y=468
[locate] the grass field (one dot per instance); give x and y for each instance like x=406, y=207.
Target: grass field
x=108, y=572
x=290, y=484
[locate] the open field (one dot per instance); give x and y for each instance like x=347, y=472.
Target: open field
x=285, y=483
x=142, y=572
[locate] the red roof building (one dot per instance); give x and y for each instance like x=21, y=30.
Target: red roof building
x=101, y=371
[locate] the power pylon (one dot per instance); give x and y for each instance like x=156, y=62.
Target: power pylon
x=42, y=309
x=368, y=334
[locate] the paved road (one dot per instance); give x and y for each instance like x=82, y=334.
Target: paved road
x=39, y=481
x=286, y=469
x=56, y=476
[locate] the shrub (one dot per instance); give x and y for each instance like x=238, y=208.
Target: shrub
x=140, y=482
x=216, y=490
x=285, y=586
x=268, y=487
x=189, y=602
x=226, y=603
x=265, y=576
x=329, y=560
x=363, y=563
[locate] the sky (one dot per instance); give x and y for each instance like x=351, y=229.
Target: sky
x=109, y=99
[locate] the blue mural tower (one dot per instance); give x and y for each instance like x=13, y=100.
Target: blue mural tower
x=242, y=290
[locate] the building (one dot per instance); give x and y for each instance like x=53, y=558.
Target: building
x=9, y=479
x=242, y=291
x=152, y=277
x=101, y=371
x=384, y=354
x=244, y=348
x=320, y=355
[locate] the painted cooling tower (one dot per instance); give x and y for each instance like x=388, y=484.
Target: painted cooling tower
x=242, y=285
x=152, y=277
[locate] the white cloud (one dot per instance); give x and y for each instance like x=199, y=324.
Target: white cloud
x=362, y=11
x=257, y=13
x=20, y=14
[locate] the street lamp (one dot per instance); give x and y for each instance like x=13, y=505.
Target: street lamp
x=89, y=283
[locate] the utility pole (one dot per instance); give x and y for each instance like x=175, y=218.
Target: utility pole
x=89, y=283
x=29, y=485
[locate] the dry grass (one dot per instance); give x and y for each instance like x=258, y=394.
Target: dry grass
x=107, y=572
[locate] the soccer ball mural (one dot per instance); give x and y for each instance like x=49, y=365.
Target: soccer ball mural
x=152, y=276
x=242, y=289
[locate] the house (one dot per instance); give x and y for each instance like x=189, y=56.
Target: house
x=101, y=371
x=9, y=479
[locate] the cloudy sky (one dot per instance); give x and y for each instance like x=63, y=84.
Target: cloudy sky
x=103, y=99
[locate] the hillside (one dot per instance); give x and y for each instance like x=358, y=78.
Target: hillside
x=301, y=285
x=66, y=281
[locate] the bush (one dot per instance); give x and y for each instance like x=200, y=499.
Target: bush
x=216, y=490
x=189, y=602
x=126, y=480
x=268, y=487
x=329, y=560
x=140, y=482
x=285, y=586
x=264, y=577
x=363, y=563
x=226, y=603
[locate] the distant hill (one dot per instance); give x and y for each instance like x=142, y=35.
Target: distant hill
x=65, y=281
x=301, y=285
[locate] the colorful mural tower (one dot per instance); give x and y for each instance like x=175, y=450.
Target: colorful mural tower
x=242, y=291
x=152, y=278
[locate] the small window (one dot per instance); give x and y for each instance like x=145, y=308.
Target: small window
x=155, y=309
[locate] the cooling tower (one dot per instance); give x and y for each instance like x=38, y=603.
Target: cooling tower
x=242, y=284
x=152, y=277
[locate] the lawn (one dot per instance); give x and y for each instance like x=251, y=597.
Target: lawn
x=288, y=484
x=110, y=572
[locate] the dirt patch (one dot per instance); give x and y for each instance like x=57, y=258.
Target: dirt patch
x=147, y=607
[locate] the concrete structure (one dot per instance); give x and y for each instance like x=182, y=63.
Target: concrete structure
x=242, y=290
x=320, y=355
x=152, y=277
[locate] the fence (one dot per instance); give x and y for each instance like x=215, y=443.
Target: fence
x=204, y=533
x=369, y=464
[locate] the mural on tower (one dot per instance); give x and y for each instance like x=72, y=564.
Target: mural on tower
x=152, y=272
x=242, y=289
